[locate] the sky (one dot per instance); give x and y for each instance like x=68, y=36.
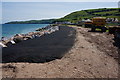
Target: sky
x=59, y=0
x=22, y=11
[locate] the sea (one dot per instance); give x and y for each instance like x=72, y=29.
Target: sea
x=9, y=30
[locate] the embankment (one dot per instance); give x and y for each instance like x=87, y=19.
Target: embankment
x=41, y=49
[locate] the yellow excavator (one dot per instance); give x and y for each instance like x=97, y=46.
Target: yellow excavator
x=100, y=22
x=97, y=22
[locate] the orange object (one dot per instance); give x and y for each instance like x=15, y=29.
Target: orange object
x=99, y=21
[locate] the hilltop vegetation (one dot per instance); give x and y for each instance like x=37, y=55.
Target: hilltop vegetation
x=48, y=21
x=85, y=14
x=77, y=16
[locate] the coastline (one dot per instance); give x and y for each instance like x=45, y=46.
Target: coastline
x=49, y=46
x=21, y=37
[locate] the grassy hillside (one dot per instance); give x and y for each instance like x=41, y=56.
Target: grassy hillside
x=77, y=16
x=84, y=14
x=47, y=21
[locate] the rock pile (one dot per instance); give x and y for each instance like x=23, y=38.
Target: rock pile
x=21, y=37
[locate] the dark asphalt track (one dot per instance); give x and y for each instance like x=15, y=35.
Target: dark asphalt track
x=43, y=49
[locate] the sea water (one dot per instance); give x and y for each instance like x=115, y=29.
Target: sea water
x=9, y=30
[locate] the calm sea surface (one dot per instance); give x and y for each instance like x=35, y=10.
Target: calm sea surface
x=9, y=30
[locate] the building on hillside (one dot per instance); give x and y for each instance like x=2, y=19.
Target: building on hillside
x=112, y=20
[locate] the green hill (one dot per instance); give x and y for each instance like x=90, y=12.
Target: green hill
x=47, y=21
x=85, y=14
x=77, y=16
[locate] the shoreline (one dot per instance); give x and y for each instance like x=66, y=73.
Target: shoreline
x=48, y=47
x=4, y=42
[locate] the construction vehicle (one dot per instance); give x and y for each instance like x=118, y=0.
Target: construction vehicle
x=88, y=24
x=97, y=22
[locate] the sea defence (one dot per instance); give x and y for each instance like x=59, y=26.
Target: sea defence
x=4, y=42
x=41, y=49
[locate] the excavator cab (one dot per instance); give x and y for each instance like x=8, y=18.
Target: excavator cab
x=99, y=22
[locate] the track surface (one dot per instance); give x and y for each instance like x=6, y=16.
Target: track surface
x=42, y=49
